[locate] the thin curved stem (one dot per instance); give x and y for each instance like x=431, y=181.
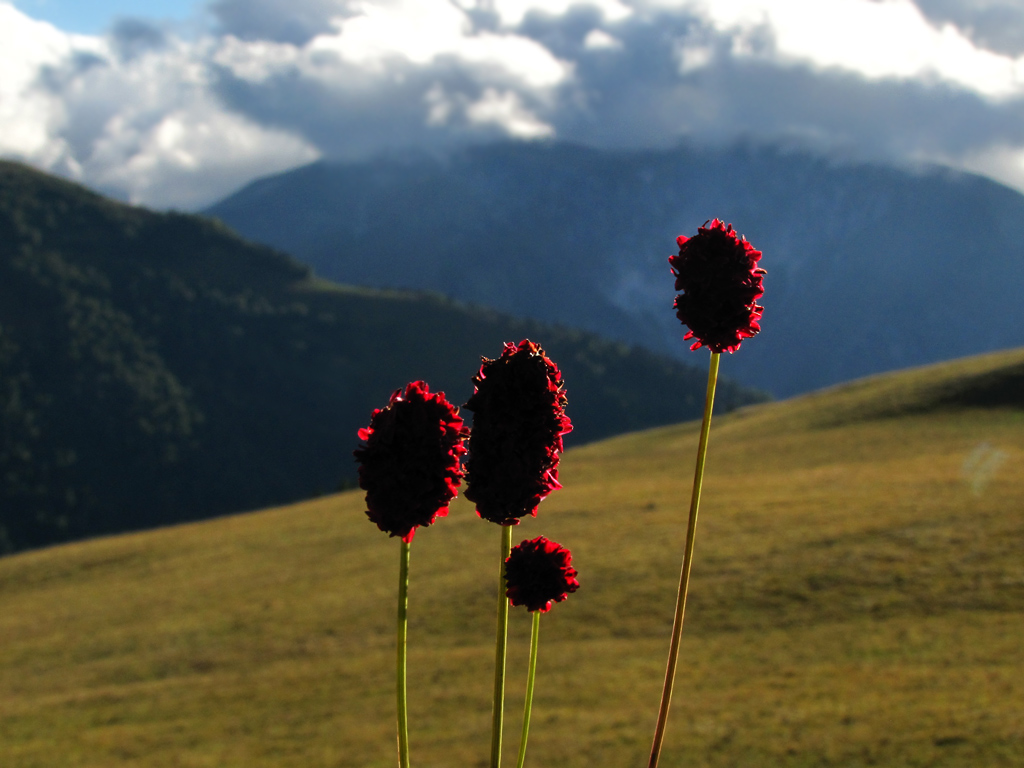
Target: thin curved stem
x=684, y=576
x=403, y=629
x=534, y=642
x=500, y=652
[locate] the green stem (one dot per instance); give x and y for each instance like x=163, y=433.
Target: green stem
x=534, y=641
x=403, y=629
x=684, y=576
x=500, y=652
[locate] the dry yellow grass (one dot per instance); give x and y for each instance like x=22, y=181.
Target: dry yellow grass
x=857, y=599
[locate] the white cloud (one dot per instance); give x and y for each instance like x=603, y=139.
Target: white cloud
x=1002, y=162
x=423, y=31
x=599, y=40
x=504, y=109
x=417, y=30
x=191, y=157
x=255, y=61
x=996, y=25
x=512, y=12
x=167, y=121
x=873, y=38
x=381, y=38
x=28, y=113
x=147, y=128
x=391, y=71
x=696, y=49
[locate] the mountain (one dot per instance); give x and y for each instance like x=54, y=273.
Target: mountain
x=857, y=599
x=870, y=268
x=157, y=368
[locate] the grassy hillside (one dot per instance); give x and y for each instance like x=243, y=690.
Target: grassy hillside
x=858, y=599
x=156, y=368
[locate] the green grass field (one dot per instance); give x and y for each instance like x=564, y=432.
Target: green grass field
x=857, y=599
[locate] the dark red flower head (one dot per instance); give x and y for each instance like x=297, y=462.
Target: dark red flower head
x=537, y=572
x=518, y=421
x=409, y=466
x=720, y=281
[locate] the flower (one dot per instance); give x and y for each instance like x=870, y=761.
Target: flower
x=539, y=571
x=718, y=274
x=410, y=465
x=519, y=418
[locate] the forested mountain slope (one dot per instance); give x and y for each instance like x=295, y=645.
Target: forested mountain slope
x=157, y=368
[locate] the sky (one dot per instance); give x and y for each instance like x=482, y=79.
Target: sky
x=93, y=17
x=181, y=106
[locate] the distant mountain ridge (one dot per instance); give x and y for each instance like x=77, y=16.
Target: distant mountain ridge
x=870, y=268
x=156, y=368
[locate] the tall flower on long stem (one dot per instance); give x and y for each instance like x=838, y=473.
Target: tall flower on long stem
x=409, y=466
x=720, y=281
x=519, y=419
x=538, y=572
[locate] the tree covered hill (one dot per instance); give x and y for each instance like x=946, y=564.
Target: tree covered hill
x=156, y=368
